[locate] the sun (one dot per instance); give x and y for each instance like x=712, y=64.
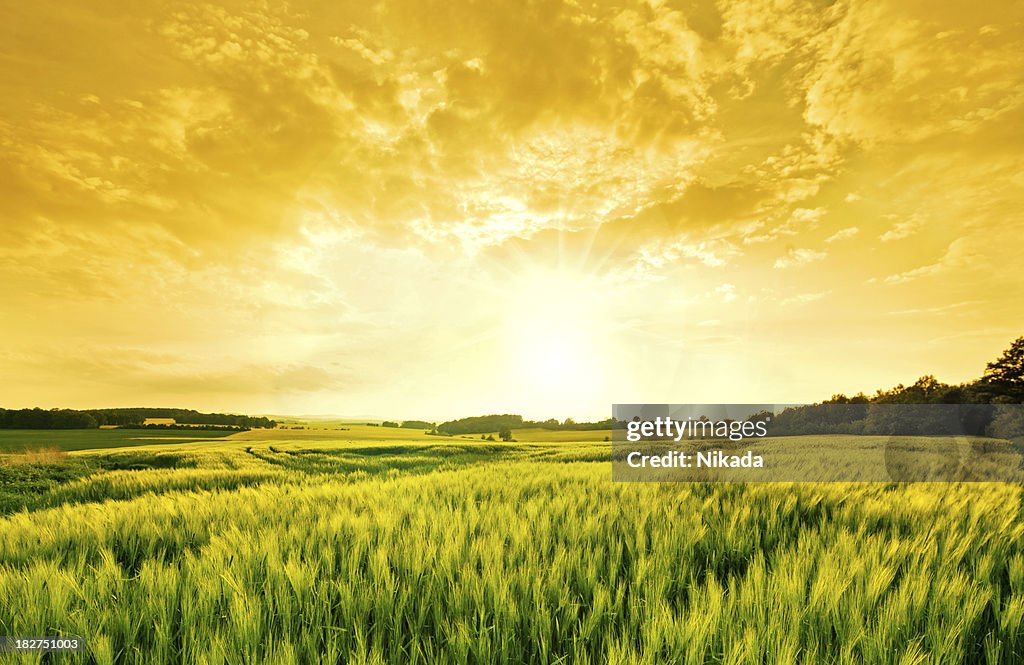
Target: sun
x=554, y=333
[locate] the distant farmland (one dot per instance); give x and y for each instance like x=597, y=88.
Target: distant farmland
x=14, y=440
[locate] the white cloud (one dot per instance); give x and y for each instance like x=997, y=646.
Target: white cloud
x=843, y=234
x=799, y=257
x=800, y=221
x=727, y=291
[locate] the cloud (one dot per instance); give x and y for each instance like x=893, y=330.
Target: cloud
x=802, y=298
x=800, y=221
x=258, y=187
x=957, y=255
x=938, y=309
x=875, y=61
x=798, y=257
x=843, y=234
x=727, y=291
x=241, y=122
x=903, y=229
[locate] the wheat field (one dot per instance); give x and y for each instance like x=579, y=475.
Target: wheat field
x=308, y=549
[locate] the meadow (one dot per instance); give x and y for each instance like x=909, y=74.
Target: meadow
x=334, y=546
x=15, y=440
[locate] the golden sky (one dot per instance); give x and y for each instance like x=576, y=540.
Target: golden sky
x=444, y=208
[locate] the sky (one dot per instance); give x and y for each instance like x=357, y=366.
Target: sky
x=434, y=209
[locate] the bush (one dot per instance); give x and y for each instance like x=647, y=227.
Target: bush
x=1008, y=422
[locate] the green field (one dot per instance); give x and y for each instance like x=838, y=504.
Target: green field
x=14, y=440
x=362, y=432
x=321, y=546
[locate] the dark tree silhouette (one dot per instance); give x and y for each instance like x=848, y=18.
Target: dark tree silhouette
x=1003, y=379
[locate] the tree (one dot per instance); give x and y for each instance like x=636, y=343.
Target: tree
x=1003, y=379
x=505, y=434
x=481, y=424
x=1008, y=422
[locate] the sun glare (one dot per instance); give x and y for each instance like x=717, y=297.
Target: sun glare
x=554, y=338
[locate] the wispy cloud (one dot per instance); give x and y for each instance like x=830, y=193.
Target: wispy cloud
x=798, y=257
x=843, y=234
x=957, y=255
x=802, y=298
x=902, y=229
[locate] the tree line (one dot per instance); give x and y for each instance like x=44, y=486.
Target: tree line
x=509, y=421
x=480, y=424
x=989, y=405
x=570, y=425
x=126, y=417
x=977, y=407
x=981, y=407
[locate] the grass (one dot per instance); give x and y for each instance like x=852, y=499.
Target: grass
x=18, y=440
x=539, y=434
x=312, y=549
x=363, y=432
x=340, y=432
